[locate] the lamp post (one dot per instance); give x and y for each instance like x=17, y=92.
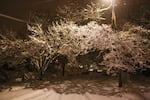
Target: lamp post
x=114, y=20
x=111, y=5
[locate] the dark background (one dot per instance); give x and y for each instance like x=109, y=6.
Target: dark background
x=126, y=10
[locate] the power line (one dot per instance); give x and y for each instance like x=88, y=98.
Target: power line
x=12, y=18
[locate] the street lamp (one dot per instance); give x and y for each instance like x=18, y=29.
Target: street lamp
x=111, y=5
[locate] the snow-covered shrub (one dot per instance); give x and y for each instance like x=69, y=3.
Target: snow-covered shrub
x=58, y=39
x=13, y=58
x=128, y=49
x=10, y=51
x=139, y=30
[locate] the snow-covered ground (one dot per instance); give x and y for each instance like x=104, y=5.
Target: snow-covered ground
x=45, y=94
x=77, y=89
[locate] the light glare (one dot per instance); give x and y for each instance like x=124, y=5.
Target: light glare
x=107, y=2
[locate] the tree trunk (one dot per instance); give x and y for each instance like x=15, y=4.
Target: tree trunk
x=5, y=74
x=41, y=75
x=63, y=70
x=120, y=82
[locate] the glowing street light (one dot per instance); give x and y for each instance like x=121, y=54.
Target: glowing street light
x=107, y=1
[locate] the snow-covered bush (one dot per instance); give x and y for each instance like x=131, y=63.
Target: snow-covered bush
x=13, y=59
x=56, y=40
x=10, y=51
x=128, y=49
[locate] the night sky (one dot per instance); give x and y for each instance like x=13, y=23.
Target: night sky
x=21, y=8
